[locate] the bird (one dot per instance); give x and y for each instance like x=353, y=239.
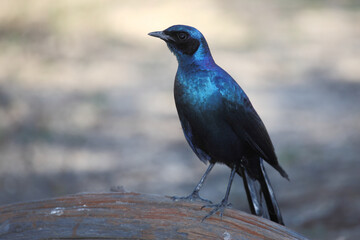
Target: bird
x=220, y=124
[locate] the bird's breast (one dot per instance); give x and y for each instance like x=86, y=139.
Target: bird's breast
x=198, y=93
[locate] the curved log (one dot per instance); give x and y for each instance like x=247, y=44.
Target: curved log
x=128, y=215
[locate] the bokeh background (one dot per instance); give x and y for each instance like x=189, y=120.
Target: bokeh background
x=86, y=100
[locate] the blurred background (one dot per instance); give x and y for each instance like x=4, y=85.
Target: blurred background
x=86, y=101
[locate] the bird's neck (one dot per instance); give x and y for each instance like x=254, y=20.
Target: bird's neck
x=202, y=58
x=204, y=63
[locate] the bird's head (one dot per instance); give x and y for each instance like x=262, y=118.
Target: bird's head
x=187, y=43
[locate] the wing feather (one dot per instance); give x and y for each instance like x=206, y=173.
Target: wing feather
x=246, y=123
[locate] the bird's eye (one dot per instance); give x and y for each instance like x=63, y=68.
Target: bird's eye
x=182, y=35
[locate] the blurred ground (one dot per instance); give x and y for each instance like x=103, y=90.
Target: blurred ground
x=86, y=100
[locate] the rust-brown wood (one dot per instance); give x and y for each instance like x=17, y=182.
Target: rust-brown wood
x=128, y=215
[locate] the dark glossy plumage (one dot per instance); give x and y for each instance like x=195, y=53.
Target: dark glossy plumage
x=218, y=120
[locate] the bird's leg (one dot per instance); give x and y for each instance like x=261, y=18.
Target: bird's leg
x=195, y=194
x=220, y=207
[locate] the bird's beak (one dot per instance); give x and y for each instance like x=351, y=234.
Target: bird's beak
x=161, y=35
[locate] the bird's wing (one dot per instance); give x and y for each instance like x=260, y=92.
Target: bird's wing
x=246, y=123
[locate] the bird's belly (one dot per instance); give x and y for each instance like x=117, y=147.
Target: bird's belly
x=213, y=136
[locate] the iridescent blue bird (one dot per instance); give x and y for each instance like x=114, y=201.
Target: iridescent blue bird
x=220, y=123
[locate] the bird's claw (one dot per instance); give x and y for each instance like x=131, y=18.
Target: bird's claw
x=192, y=197
x=220, y=207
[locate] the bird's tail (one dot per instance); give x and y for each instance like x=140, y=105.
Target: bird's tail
x=261, y=196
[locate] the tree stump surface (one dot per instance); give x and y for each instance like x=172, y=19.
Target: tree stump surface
x=129, y=215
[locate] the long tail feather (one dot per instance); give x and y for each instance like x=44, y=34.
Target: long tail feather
x=260, y=195
x=254, y=194
x=271, y=203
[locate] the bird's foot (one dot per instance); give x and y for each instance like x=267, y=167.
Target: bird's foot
x=191, y=198
x=220, y=207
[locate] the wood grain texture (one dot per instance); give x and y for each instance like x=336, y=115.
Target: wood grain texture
x=128, y=215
